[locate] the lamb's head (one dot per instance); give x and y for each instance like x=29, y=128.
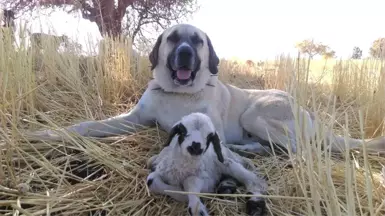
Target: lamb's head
x=194, y=134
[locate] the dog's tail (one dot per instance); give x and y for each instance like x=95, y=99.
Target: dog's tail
x=338, y=143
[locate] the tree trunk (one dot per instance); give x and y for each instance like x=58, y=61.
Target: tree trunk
x=107, y=16
x=110, y=18
x=110, y=27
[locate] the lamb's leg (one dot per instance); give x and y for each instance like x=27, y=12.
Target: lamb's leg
x=255, y=185
x=151, y=162
x=227, y=183
x=195, y=206
x=158, y=186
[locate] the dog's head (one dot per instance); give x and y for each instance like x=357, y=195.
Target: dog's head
x=183, y=59
x=195, y=134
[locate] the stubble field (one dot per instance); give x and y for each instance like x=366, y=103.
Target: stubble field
x=79, y=176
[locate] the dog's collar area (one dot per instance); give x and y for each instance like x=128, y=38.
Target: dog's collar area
x=160, y=88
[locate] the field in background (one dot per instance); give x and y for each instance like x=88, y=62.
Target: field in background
x=83, y=175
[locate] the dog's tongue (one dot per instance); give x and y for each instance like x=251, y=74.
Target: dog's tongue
x=183, y=74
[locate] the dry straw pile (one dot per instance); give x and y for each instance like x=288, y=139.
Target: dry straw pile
x=79, y=176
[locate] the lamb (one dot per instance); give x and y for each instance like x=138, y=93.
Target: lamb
x=189, y=163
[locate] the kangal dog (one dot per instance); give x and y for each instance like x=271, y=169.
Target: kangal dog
x=185, y=68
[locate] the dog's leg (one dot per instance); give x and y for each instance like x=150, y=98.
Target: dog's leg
x=122, y=124
x=195, y=206
x=254, y=185
x=281, y=133
x=250, y=144
x=253, y=147
x=158, y=186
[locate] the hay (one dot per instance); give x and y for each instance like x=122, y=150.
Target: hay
x=79, y=176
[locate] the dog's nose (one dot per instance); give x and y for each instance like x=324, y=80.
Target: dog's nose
x=184, y=55
x=195, y=148
x=185, y=52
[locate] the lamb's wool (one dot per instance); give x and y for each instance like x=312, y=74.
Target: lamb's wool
x=174, y=169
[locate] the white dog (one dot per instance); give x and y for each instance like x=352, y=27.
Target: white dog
x=194, y=160
x=185, y=68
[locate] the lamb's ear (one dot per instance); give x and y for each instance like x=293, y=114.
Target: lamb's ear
x=214, y=138
x=213, y=58
x=153, y=56
x=178, y=129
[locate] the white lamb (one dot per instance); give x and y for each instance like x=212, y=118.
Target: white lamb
x=189, y=163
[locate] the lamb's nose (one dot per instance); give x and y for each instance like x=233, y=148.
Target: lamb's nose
x=195, y=148
x=196, y=145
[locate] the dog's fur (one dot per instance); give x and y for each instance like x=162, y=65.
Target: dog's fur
x=242, y=116
x=245, y=117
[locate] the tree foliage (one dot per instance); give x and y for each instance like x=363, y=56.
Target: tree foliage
x=377, y=50
x=328, y=54
x=312, y=49
x=109, y=14
x=357, y=53
x=154, y=19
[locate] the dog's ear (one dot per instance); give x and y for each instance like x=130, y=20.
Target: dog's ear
x=214, y=138
x=153, y=56
x=213, y=58
x=178, y=129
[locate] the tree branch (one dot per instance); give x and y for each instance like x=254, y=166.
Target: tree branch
x=109, y=14
x=54, y=2
x=122, y=6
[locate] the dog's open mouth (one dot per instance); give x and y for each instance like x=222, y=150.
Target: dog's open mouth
x=183, y=74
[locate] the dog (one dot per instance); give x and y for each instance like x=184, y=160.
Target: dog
x=185, y=70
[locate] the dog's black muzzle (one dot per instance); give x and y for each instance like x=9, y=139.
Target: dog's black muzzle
x=183, y=61
x=184, y=57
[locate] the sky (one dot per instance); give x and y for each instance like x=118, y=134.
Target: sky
x=256, y=29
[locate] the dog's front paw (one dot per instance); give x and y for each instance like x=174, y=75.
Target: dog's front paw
x=256, y=207
x=197, y=210
x=40, y=135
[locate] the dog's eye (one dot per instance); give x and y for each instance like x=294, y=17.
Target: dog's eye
x=196, y=40
x=174, y=38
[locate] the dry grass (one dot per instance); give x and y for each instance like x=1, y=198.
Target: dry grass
x=83, y=175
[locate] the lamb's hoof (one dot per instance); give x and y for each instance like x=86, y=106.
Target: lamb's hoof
x=200, y=211
x=150, y=180
x=227, y=186
x=150, y=163
x=256, y=207
x=153, y=168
